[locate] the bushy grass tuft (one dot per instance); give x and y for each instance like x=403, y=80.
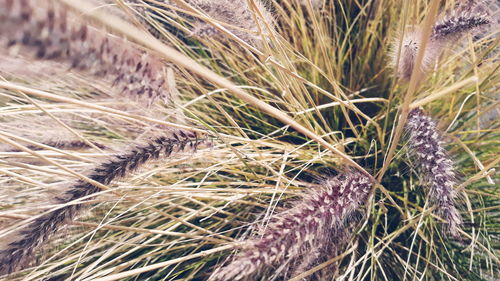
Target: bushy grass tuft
x=319, y=93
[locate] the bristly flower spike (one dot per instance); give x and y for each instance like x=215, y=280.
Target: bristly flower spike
x=235, y=15
x=46, y=30
x=315, y=229
x=435, y=167
x=409, y=49
x=19, y=253
x=466, y=18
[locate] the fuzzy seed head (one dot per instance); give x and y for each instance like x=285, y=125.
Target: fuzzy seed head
x=435, y=166
x=19, y=253
x=403, y=60
x=466, y=18
x=46, y=30
x=235, y=15
x=298, y=237
x=458, y=24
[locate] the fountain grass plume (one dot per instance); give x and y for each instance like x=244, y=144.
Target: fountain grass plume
x=466, y=18
x=316, y=4
x=46, y=30
x=235, y=15
x=409, y=49
x=435, y=167
x=19, y=254
x=298, y=237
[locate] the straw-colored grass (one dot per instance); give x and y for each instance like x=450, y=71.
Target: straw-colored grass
x=318, y=95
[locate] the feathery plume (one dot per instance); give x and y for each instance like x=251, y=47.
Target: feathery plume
x=466, y=18
x=436, y=168
x=314, y=229
x=18, y=254
x=458, y=22
x=409, y=49
x=46, y=30
x=236, y=15
x=315, y=4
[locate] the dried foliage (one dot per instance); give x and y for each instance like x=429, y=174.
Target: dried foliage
x=250, y=24
x=289, y=95
x=44, y=130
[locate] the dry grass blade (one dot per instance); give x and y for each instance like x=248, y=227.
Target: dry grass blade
x=415, y=77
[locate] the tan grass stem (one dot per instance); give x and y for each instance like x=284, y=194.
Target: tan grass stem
x=71, y=130
x=38, y=155
x=324, y=265
x=416, y=73
x=451, y=89
x=125, y=228
x=347, y=103
x=129, y=116
x=44, y=146
x=123, y=114
x=159, y=265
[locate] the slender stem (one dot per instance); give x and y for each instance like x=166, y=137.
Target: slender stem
x=415, y=77
x=124, y=114
x=123, y=228
x=164, y=264
x=43, y=94
x=38, y=155
x=453, y=88
x=325, y=264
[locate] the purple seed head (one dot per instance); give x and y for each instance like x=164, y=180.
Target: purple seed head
x=466, y=18
x=456, y=25
x=237, y=16
x=435, y=167
x=20, y=253
x=314, y=229
x=46, y=30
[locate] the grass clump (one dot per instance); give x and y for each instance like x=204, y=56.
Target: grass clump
x=321, y=90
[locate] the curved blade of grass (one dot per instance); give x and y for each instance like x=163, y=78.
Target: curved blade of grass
x=405, y=109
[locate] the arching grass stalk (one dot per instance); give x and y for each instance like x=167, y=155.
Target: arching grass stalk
x=312, y=231
x=20, y=252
